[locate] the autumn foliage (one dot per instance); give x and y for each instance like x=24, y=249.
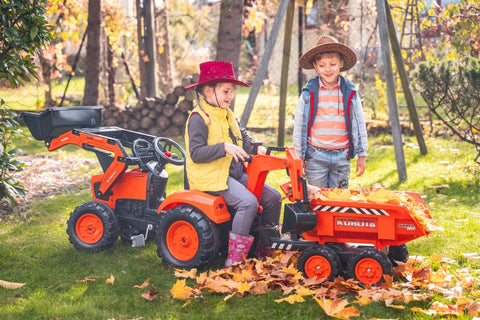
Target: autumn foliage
x=343, y=299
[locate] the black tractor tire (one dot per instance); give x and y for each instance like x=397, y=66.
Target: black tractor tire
x=398, y=253
x=320, y=262
x=92, y=226
x=368, y=265
x=186, y=238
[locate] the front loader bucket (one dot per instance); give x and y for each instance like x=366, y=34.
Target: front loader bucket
x=53, y=122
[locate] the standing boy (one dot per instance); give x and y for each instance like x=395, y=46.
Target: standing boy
x=329, y=126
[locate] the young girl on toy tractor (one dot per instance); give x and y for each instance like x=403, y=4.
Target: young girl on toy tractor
x=216, y=148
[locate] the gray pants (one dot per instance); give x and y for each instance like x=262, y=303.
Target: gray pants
x=246, y=205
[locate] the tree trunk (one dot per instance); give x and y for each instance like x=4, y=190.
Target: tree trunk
x=150, y=48
x=90, y=94
x=141, y=50
x=164, y=49
x=46, y=65
x=111, y=75
x=230, y=32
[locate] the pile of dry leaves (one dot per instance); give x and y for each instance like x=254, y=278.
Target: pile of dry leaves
x=417, y=281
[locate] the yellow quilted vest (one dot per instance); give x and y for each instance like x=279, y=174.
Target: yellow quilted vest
x=212, y=176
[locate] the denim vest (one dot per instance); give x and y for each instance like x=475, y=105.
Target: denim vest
x=310, y=96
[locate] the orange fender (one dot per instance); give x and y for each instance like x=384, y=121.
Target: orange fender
x=213, y=207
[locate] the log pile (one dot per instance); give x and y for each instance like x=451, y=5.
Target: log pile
x=164, y=116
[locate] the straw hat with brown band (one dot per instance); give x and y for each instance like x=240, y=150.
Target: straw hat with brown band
x=328, y=44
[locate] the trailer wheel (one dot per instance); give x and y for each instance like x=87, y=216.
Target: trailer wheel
x=92, y=226
x=320, y=262
x=368, y=265
x=398, y=253
x=186, y=238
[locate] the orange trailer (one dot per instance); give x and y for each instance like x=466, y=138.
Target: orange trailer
x=356, y=238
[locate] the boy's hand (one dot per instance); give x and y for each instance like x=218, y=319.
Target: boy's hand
x=237, y=153
x=360, y=166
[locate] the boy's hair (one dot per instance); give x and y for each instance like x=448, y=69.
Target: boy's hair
x=327, y=54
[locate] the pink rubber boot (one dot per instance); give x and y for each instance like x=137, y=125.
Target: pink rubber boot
x=238, y=247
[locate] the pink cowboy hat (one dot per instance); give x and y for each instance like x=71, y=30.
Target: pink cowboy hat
x=218, y=71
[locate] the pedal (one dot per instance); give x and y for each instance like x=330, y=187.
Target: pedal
x=139, y=239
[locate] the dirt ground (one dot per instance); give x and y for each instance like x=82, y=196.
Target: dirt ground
x=46, y=176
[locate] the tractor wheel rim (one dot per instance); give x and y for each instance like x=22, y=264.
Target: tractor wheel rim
x=89, y=228
x=368, y=271
x=318, y=266
x=182, y=240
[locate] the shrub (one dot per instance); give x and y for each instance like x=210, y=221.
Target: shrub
x=451, y=89
x=24, y=31
x=10, y=189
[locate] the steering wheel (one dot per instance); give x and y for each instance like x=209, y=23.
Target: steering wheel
x=145, y=152
x=163, y=150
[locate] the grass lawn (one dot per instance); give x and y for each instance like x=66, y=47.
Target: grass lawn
x=36, y=250
x=32, y=96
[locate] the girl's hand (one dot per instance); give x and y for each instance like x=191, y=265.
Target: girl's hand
x=261, y=150
x=237, y=153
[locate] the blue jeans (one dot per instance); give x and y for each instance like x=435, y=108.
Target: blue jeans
x=327, y=168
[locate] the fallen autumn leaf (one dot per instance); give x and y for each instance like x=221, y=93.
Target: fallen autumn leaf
x=143, y=285
x=11, y=285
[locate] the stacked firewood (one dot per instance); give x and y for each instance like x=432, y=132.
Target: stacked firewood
x=164, y=116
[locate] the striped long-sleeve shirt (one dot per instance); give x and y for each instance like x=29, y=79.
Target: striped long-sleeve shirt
x=329, y=129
